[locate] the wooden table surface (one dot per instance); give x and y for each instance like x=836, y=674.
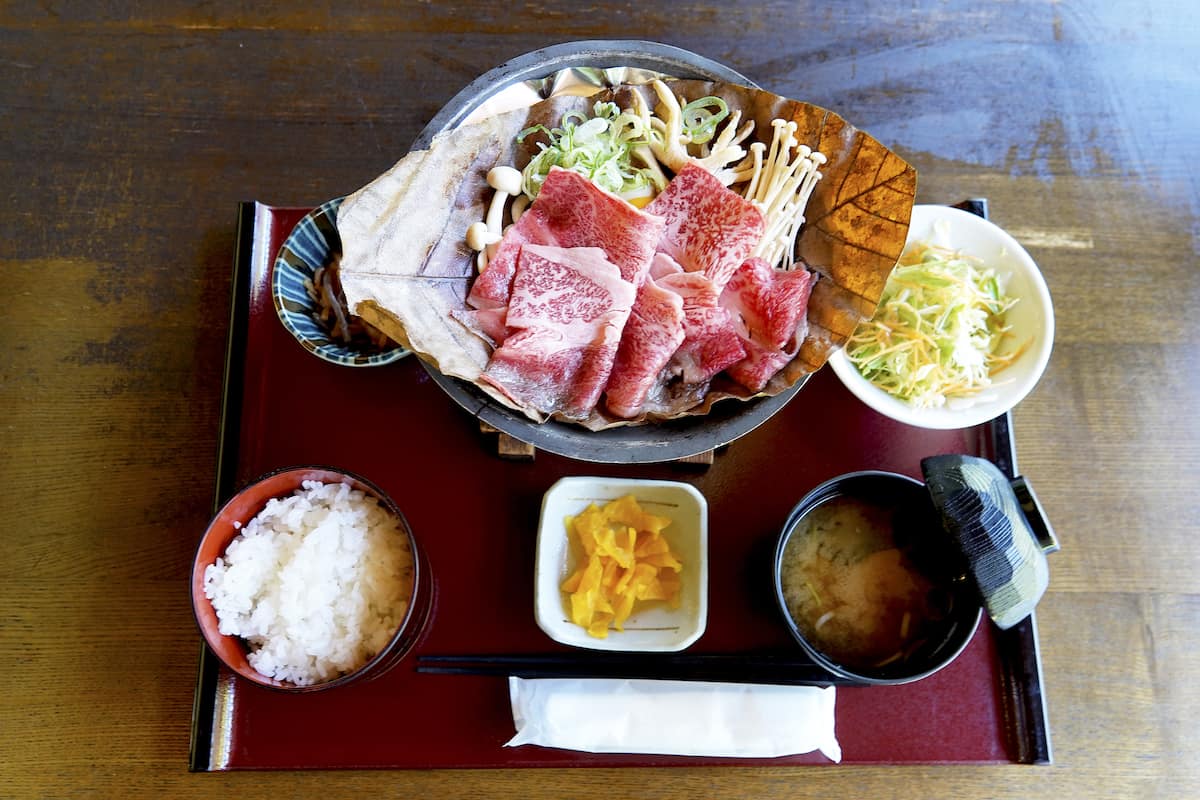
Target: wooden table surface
x=128, y=135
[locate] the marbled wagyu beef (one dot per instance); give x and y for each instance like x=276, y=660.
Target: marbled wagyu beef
x=708, y=228
x=652, y=335
x=771, y=305
x=711, y=341
x=567, y=310
x=588, y=295
x=571, y=211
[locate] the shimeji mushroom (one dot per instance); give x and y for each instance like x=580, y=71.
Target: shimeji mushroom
x=479, y=238
x=483, y=237
x=518, y=206
x=507, y=183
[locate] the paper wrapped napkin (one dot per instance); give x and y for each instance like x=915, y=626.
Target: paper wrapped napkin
x=688, y=718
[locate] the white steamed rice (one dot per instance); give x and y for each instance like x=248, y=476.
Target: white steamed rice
x=317, y=583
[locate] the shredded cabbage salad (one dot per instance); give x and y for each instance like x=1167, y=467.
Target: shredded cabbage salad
x=937, y=330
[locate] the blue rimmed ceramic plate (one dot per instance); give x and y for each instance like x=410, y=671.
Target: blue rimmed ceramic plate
x=310, y=246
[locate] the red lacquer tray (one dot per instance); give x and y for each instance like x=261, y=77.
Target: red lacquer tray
x=475, y=515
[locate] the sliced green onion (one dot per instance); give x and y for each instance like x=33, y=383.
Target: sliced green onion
x=597, y=147
x=701, y=118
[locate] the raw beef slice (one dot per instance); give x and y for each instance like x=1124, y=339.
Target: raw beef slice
x=770, y=306
x=711, y=341
x=709, y=229
x=567, y=310
x=571, y=211
x=652, y=335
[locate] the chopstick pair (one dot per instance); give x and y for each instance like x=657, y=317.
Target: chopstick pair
x=716, y=667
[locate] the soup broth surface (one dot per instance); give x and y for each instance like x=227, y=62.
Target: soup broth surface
x=854, y=593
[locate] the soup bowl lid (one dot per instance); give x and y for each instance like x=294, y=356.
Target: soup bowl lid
x=1001, y=529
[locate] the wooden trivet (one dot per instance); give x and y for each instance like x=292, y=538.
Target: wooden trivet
x=508, y=446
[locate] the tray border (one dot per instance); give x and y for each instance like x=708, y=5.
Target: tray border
x=204, y=705
x=1020, y=653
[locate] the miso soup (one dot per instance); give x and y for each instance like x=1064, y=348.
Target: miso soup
x=853, y=587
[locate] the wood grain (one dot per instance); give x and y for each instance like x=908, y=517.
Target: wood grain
x=128, y=133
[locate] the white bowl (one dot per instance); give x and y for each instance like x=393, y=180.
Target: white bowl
x=1032, y=320
x=655, y=626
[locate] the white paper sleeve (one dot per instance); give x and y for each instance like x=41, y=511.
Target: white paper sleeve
x=688, y=718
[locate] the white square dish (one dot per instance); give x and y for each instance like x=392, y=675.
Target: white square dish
x=654, y=626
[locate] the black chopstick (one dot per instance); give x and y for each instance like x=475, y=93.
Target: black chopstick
x=715, y=667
